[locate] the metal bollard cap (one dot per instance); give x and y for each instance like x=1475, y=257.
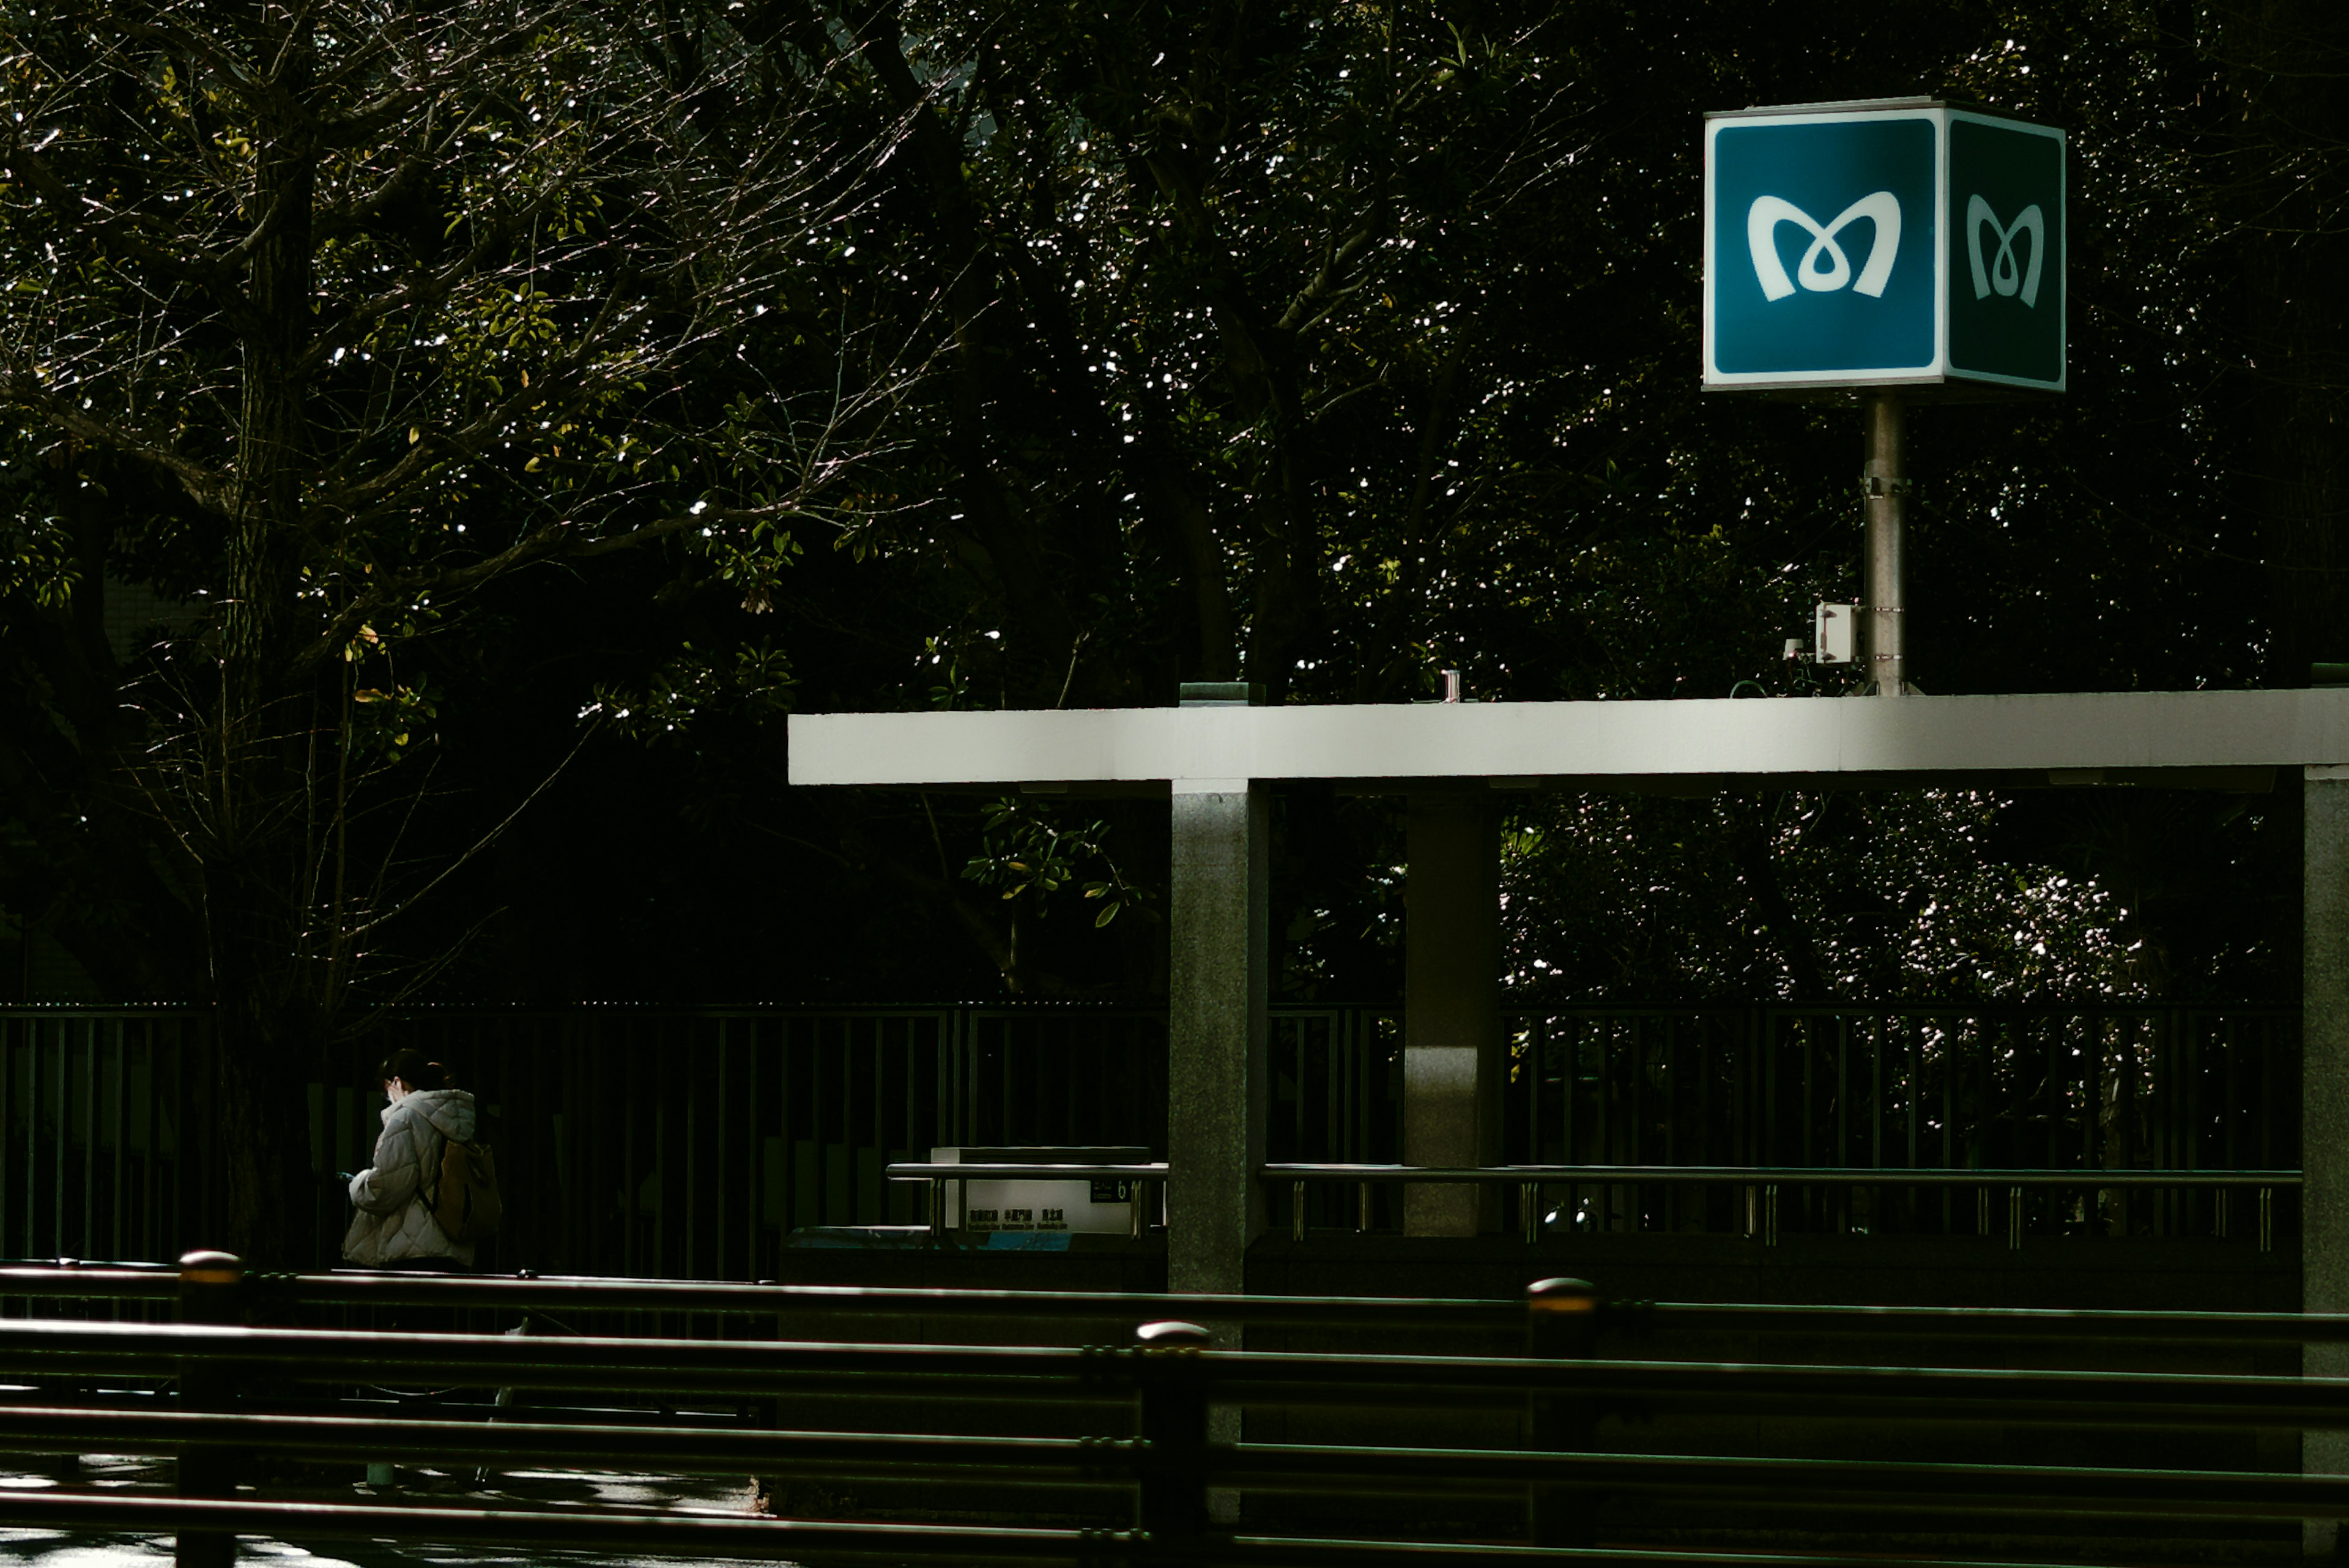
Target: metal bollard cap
x=203, y=1267
x=1562, y=1295
x=1171, y=1334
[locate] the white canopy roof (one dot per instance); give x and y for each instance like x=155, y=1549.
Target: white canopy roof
x=2175, y=737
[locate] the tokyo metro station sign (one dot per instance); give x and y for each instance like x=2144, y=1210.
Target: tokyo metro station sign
x=1883, y=243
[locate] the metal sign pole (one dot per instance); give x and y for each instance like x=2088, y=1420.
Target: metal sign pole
x=1886, y=483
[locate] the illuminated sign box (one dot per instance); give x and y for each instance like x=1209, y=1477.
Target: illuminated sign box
x=1885, y=244
x=1099, y=1206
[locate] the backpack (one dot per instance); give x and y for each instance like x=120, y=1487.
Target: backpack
x=465, y=1202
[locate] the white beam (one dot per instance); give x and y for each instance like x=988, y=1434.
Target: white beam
x=2074, y=733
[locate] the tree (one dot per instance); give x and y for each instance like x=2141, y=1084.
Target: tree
x=1327, y=347
x=1330, y=345
x=1200, y=281
x=1322, y=346
x=338, y=320
x=2275, y=194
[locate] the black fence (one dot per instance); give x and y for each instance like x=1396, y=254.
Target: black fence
x=94, y=1120
x=694, y=1143
x=2017, y=1088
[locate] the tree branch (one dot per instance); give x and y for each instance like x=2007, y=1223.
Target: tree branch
x=21, y=385
x=555, y=540
x=121, y=231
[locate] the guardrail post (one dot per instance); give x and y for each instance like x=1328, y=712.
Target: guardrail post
x=2014, y=1219
x=212, y=1290
x=1171, y=1500
x=1561, y=1323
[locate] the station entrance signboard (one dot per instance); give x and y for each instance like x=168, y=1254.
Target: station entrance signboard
x=1883, y=243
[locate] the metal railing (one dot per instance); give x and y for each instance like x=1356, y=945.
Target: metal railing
x=1761, y=1186
x=96, y=1151
x=994, y=1375
x=762, y=1121
x=2055, y=1086
x=770, y=1121
x=1150, y=1457
x=148, y=1287
x=151, y=1287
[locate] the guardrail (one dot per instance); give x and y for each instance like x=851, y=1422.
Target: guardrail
x=812, y=1541
x=1150, y=1451
x=1761, y=1186
x=159, y=1285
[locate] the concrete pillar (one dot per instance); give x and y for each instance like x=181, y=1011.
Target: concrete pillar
x=1452, y=1063
x=2325, y=1104
x=1218, y=1095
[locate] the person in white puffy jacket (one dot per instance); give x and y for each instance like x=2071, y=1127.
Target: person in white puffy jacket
x=394, y=1228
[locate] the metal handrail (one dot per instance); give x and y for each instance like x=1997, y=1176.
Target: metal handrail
x=769, y=1300
x=835, y=1455
x=1111, y=1463
x=1833, y=1176
x=1167, y=1379
x=1639, y=1317
x=589, y=1530
x=1893, y=1393
x=740, y=1368
x=1867, y=1483
x=1107, y=1374
x=736, y=1535
x=583, y=1295
x=71, y=1280
x=1763, y=1182
x=920, y=1170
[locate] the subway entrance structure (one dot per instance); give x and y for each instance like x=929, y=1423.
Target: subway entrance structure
x=1216, y=761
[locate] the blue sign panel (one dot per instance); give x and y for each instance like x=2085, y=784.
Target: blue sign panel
x=1823, y=246
x=1838, y=245
x=2006, y=260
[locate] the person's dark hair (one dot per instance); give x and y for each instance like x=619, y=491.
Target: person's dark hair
x=411, y=1068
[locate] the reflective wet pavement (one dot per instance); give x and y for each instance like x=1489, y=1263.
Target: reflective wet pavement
x=520, y=1489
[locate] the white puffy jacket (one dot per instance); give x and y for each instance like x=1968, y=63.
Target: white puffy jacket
x=395, y=1218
